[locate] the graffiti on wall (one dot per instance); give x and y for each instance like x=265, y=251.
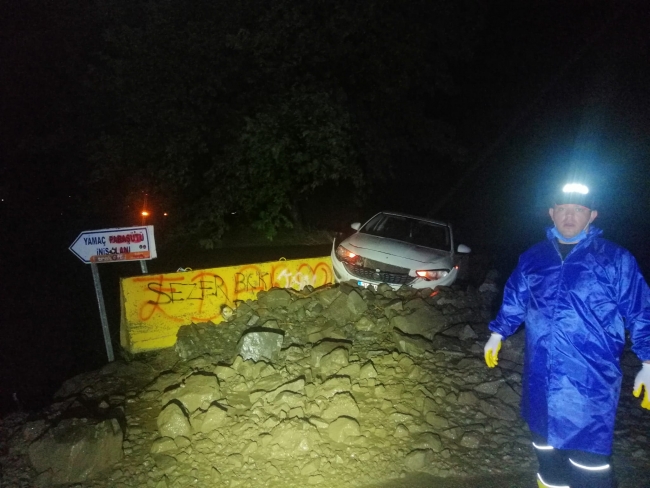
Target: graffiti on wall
x=154, y=307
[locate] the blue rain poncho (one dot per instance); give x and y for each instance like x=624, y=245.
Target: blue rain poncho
x=576, y=313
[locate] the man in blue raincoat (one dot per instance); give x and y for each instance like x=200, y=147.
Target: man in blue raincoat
x=578, y=294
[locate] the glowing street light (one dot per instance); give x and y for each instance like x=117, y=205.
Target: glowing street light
x=144, y=214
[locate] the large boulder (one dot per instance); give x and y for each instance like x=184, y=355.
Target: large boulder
x=325, y=347
x=295, y=386
x=189, y=342
x=424, y=321
x=341, y=405
x=197, y=391
x=274, y=298
x=346, y=308
x=338, y=310
x=513, y=348
x=334, y=361
x=261, y=344
x=76, y=450
x=419, y=459
x=215, y=417
x=356, y=304
x=173, y=422
x=294, y=437
x=412, y=345
x=344, y=429
x=497, y=410
x=326, y=295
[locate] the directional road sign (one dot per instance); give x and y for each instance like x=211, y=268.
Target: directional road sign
x=115, y=245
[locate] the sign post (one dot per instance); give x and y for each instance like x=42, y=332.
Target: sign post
x=102, y=312
x=113, y=246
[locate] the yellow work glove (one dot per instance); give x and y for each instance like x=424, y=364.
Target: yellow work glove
x=643, y=380
x=491, y=350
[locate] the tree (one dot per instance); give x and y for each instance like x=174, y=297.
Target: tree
x=297, y=143
x=223, y=106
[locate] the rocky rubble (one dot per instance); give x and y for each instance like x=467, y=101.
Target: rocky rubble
x=327, y=387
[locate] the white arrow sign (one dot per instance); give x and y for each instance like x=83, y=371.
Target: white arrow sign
x=115, y=245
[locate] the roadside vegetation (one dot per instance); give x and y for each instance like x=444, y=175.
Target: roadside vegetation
x=207, y=109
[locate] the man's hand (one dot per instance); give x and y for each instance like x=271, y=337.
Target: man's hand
x=492, y=347
x=643, y=380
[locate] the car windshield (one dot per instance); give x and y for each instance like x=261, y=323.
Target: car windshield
x=414, y=231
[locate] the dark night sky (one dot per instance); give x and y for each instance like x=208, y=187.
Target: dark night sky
x=554, y=88
x=551, y=83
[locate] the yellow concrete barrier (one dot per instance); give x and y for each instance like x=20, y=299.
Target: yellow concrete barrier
x=154, y=307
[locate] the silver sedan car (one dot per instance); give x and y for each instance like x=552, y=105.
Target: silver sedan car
x=398, y=249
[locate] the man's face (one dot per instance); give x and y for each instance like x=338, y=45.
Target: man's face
x=570, y=218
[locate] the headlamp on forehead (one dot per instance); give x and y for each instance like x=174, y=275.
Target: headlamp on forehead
x=574, y=193
x=575, y=188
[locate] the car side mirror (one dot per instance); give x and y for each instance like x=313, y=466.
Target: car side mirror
x=356, y=225
x=463, y=249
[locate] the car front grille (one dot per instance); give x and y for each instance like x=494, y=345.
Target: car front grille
x=380, y=276
x=384, y=267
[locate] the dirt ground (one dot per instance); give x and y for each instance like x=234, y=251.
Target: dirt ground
x=628, y=477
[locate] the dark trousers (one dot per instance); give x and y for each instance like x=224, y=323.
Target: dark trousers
x=574, y=469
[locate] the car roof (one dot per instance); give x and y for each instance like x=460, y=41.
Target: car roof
x=401, y=214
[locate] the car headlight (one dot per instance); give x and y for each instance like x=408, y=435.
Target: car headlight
x=346, y=255
x=432, y=274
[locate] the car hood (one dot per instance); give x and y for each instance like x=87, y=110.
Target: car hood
x=397, y=253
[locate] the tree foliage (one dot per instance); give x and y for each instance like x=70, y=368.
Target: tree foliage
x=295, y=144
x=249, y=106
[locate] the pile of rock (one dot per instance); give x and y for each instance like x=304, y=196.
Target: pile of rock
x=334, y=386
x=343, y=312
x=337, y=385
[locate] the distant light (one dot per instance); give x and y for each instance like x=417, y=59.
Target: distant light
x=575, y=188
x=145, y=213
x=165, y=214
